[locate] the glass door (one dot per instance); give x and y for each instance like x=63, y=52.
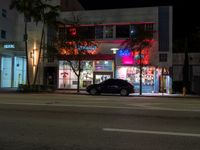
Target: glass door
x=6, y=71
x=102, y=76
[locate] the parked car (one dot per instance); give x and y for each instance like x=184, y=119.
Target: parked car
x=122, y=87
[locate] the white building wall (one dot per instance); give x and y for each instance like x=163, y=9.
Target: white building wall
x=8, y=23
x=109, y=16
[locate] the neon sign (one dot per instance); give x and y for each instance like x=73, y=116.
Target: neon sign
x=80, y=47
x=124, y=52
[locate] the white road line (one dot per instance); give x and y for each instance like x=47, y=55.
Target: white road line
x=151, y=132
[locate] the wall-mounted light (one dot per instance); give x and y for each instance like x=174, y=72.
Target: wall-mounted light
x=114, y=50
x=33, y=56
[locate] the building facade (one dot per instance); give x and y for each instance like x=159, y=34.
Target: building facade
x=110, y=29
x=12, y=47
x=12, y=60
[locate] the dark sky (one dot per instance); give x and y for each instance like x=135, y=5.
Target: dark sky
x=186, y=15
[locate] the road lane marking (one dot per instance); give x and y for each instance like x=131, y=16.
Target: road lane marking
x=151, y=132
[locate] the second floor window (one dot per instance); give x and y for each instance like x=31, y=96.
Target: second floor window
x=3, y=34
x=163, y=57
x=122, y=31
x=109, y=31
x=99, y=32
x=149, y=27
x=4, y=13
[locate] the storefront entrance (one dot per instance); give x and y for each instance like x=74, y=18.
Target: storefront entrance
x=102, y=76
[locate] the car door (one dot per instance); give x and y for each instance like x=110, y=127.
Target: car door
x=110, y=86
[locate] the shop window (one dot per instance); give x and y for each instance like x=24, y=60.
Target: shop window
x=6, y=72
x=19, y=69
x=3, y=34
x=109, y=31
x=68, y=79
x=122, y=31
x=163, y=57
x=103, y=66
x=4, y=13
x=99, y=32
x=132, y=75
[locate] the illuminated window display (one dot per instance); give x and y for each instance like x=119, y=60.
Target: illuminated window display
x=6, y=72
x=152, y=78
x=68, y=79
x=103, y=65
x=19, y=71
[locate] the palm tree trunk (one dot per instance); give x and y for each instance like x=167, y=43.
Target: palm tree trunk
x=40, y=52
x=26, y=49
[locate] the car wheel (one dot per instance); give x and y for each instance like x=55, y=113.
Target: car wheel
x=93, y=91
x=124, y=92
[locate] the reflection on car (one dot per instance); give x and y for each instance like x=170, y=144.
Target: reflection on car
x=122, y=87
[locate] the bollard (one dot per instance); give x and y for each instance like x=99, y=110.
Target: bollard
x=184, y=91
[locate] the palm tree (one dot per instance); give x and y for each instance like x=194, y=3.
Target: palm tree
x=26, y=8
x=139, y=40
x=46, y=14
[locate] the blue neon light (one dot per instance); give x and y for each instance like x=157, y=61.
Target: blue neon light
x=124, y=52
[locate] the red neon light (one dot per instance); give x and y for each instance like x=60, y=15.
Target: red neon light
x=72, y=31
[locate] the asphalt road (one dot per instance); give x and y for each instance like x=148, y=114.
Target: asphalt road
x=74, y=122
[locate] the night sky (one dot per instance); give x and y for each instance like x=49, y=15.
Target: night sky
x=185, y=20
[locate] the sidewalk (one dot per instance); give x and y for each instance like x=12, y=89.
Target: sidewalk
x=83, y=92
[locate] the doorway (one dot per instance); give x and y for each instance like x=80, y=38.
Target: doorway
x=102, y=76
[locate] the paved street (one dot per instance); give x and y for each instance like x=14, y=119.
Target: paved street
x=83, y=122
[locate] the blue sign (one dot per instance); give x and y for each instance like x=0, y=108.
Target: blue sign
x=9, y=46
x=124, y=52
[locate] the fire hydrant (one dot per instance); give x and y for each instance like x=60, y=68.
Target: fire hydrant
x=184, y=91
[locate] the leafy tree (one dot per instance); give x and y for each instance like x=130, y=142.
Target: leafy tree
x=75, y=50
x=139, y=40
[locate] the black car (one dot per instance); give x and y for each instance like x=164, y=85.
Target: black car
x=123, y=87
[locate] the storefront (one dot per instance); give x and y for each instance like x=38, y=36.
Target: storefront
x=154, y=80
x=13, y=71
x=123, y=65
x=94, y=71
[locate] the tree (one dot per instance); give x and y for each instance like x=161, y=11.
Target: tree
x=39, y=10
x=139, y=40
x=76, y=49
x=46, y=14
x=25, y=7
